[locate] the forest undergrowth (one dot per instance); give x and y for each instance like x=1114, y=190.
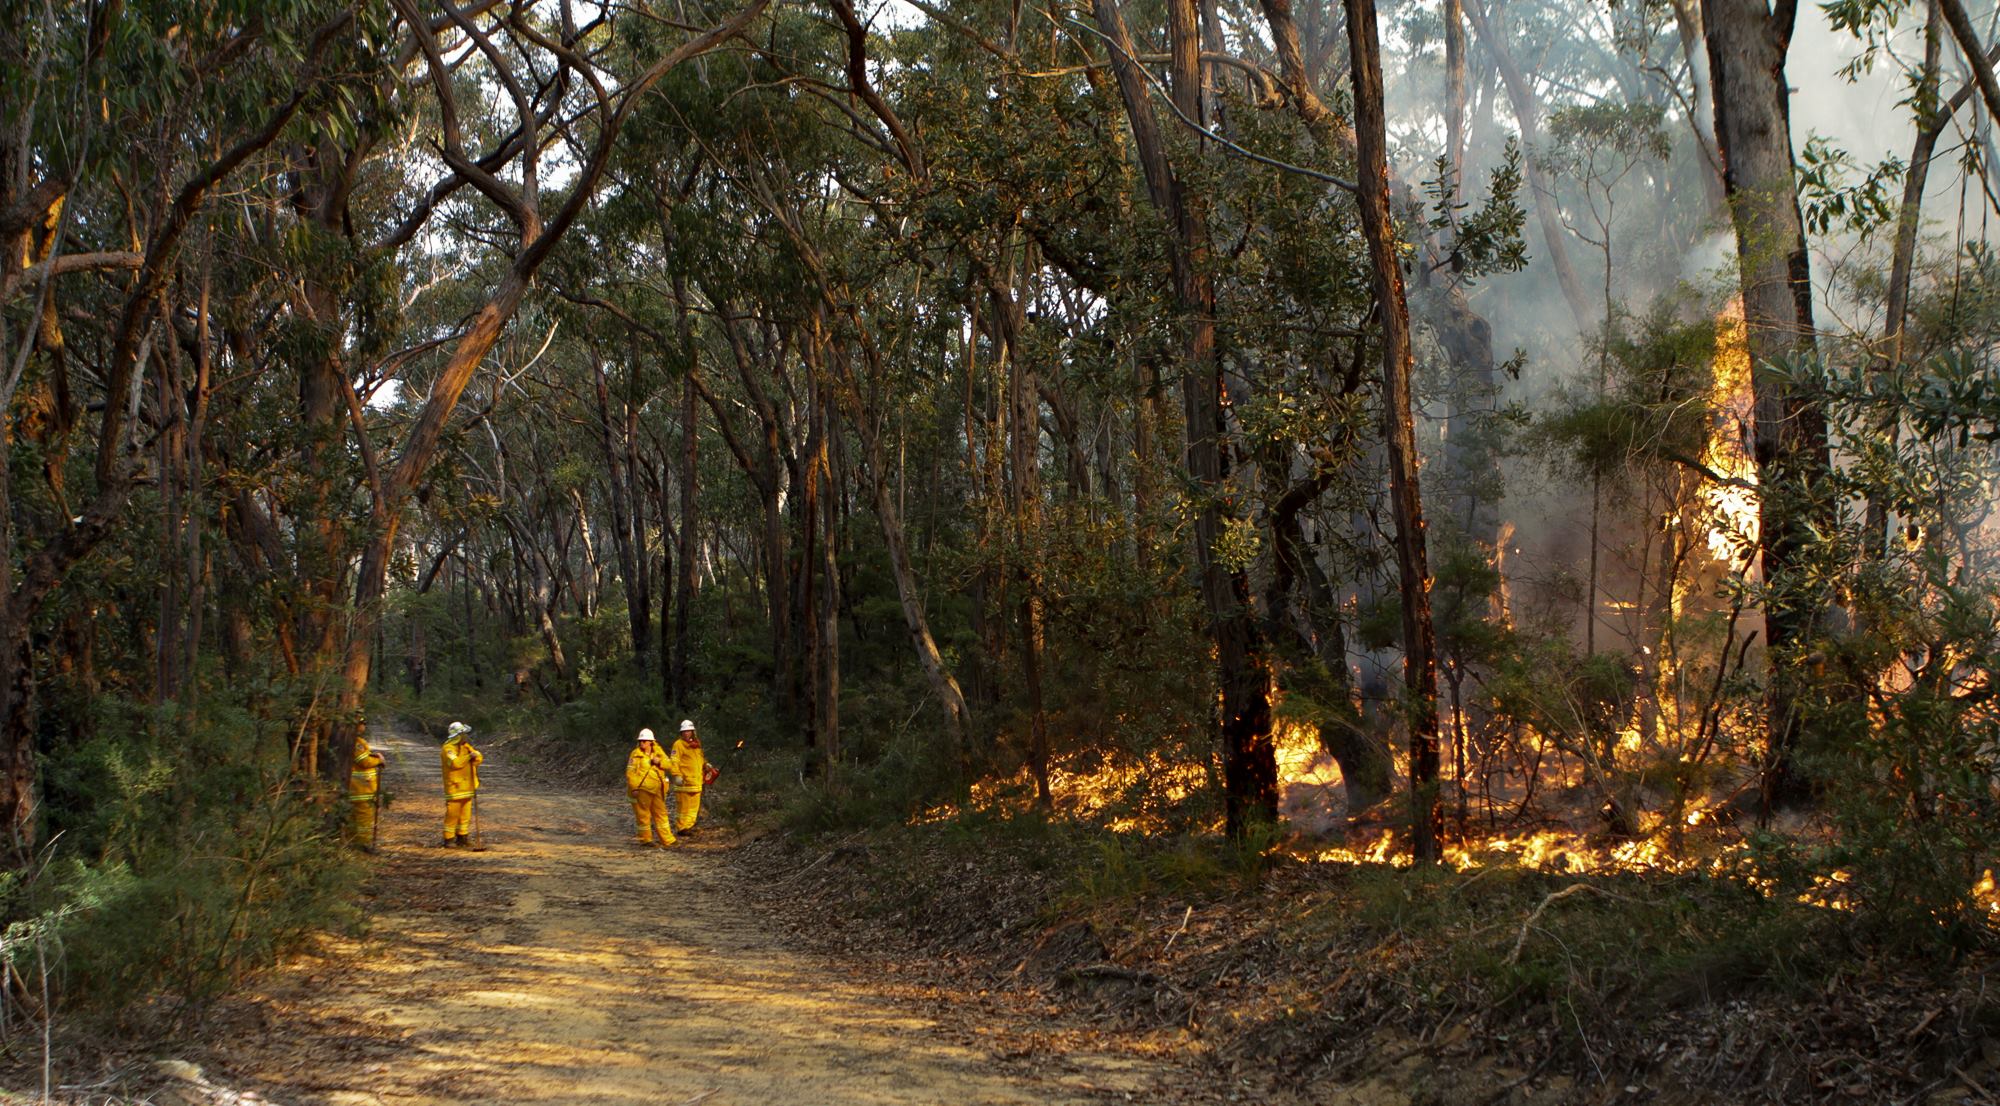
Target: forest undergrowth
x=1296, y=979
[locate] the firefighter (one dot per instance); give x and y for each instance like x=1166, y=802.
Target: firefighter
x=364, y=793
x=461, y=783
x=648, y=774
x=689, y=765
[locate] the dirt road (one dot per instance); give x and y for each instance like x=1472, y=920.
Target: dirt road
x=565, y=965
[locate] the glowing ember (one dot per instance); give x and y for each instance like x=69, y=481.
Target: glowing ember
x=1731, y=505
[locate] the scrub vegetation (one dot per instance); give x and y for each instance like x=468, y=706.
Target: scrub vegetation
x=1321, y=538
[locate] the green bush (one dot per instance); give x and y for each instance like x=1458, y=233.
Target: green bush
x=906, y=778
x=181, y=855
x=1899, y=707
x=1128, y=868
x=609, y=716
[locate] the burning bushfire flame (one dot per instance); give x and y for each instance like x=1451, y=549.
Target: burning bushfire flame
x=1312, y=800
x=1731, y=506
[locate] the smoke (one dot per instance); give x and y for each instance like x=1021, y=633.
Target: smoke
x=1666, y=245
x=1862, y=116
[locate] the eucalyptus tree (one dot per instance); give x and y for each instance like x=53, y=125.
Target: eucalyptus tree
x=1748, y=45
x=541, y=66
x=108, y=189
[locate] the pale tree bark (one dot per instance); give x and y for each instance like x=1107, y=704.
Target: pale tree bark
x=1528, y=116
x=1975, y=58
x=1701, y=113
x=1454, y=93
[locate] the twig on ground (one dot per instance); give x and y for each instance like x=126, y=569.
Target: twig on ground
x=830, y=854
x=1972, y=1083
x=1120, y=972
x=1522, y=938
x=1177, y=933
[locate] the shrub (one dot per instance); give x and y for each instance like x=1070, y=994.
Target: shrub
x=182, y=854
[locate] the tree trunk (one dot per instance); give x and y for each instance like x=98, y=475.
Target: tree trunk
x=765, y=468
x=1747, y=45
x=1024, y=458
x=538, y=237
x=1454, y=95
x=1249, y=762
x=1701, y=114
x=593, y=568
x=413, y=460
x=943, y=684
x=1527, y=113
x=818, y=579
x=1976, y=62
x=683, y=594
x=1300, y=607
x=627, y=532
x=889, y=517
x=1419, y=643
x=1931, y=122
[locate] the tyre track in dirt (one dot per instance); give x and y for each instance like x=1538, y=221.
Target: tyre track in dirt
x=565, y=965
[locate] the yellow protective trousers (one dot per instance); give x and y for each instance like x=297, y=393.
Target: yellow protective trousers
x=649, y=810
x=361, y=820
x=687, y=807
x=458, y=818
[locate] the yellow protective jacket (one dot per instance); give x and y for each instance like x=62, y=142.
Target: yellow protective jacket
x=461, y=768
x=647, y=771
x=364, y=778
x=688, y=764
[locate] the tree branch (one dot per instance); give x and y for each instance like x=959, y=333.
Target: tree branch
x=1975, y=59
x=1196, y=126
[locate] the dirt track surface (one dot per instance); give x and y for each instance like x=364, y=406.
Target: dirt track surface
x=565, y=965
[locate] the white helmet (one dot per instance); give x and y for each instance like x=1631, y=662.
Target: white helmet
x=645, y=735
x=687, y=725
x=456, y=728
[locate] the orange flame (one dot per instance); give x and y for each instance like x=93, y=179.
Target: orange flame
x=1731, y=504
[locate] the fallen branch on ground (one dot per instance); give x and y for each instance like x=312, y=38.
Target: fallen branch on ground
x=1522, y=938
